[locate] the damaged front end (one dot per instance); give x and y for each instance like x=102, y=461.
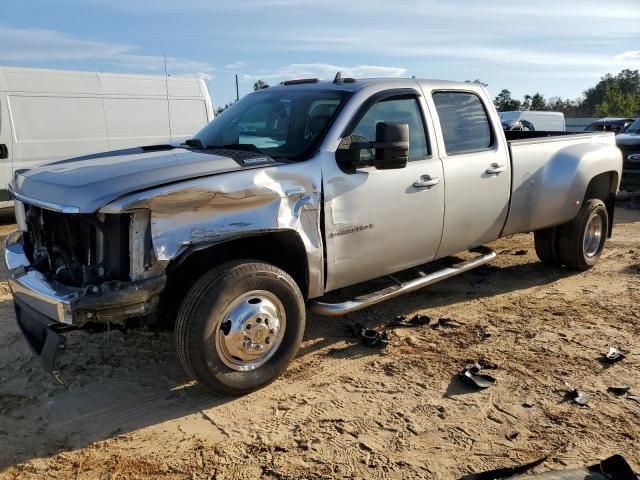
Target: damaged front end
x=71, y=270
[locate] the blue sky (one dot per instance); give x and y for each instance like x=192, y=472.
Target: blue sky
x=556, y=47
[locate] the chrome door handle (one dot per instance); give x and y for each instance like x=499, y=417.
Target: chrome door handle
x=495, y=169
x=426, y=181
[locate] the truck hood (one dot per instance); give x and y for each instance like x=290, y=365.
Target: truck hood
x=85, y=184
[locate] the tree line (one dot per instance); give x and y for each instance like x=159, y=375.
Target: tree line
x=613, y=96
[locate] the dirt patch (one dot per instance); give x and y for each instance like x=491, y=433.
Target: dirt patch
x=345, y=411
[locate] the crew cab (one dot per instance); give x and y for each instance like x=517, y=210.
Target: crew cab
x=292, y=194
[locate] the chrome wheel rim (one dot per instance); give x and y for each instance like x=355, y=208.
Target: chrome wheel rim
x=592, y=236
x=251, y=330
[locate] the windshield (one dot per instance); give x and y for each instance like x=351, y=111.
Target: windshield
x=280, y=123
x=634, y=127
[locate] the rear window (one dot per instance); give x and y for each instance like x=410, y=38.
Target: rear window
x=464, y=122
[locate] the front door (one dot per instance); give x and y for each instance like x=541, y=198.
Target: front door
x=477, y=172
x=382, y=221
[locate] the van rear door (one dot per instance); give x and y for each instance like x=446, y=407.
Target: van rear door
x=6, y=144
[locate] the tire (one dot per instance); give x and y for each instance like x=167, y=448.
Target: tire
x=239, y=326
x=546, y=243
x=575, y=250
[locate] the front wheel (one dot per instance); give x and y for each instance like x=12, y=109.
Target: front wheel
x=240, y=326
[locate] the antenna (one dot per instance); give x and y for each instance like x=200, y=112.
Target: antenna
x=338, y=77
x=237, y=91
x=166, y=85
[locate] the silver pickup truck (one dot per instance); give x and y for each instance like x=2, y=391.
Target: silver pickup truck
x=294, y=192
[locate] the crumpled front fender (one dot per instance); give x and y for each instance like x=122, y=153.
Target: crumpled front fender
x=222, y=207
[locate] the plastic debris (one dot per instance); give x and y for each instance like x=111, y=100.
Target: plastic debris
x=614, y=355
x=445, y=322
x=612, y=468
x=472, y=375
x=577, y=396
x=416, y=321
x=619, y=389
x=374, y=338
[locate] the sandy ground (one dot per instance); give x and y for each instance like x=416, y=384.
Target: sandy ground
x=346, y=411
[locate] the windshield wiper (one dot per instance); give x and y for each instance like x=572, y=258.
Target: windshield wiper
x=245, y=147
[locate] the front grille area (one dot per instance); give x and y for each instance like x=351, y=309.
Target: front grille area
x=77, y=249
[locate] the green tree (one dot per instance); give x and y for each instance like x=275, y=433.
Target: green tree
x=222, y=108
x=526, y=104
x=504, y=102
x=259, y=85
x=477, y=80
x=537, y=102
x=627, y=82
x=617, y=103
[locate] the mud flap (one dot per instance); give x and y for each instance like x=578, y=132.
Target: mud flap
x=41, y=335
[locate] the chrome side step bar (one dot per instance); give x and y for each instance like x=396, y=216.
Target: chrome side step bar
x=363, y=301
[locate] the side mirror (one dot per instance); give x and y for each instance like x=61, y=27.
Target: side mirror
x=389, y=151
x=392, y=145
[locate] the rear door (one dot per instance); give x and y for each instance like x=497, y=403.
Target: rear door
x=6, y=168
x=381, y=221
x=476, y=170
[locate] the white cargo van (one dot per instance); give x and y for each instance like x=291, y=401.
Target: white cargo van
x=48, y=115
x=533, y=120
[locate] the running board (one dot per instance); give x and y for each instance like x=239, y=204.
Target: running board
x=363, y=301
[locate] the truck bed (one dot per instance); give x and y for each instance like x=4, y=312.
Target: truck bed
x=546, y=168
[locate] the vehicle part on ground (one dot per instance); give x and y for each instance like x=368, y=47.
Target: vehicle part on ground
x=614, y=355
x=239, y=326
x=472, y=375
x=612, y=468
x=445, y=322
x=618, y=389
x=423, y=280
x=577, y=396
x=415, y=321
x=374, y=338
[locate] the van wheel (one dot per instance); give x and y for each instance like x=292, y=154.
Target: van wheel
x=239, y=326
x=582, y=239
x=546, y=243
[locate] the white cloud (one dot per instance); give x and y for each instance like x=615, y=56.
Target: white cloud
x=236, y=65
x=326, y=71
x=631, y=54
x=43, y=45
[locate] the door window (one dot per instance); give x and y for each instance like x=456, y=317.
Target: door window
x=395, y=109
x=464, y=122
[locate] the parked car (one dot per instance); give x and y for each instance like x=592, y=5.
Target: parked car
x=294, y=192
x=48, y=115
x=629, y=144
x=615, y=125
x=533, y=120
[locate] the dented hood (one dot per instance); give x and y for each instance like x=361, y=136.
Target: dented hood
x=85, y=184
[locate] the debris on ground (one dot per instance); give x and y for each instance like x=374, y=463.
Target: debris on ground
x=445, y=322
x=416, y=321
x=472, y=375
x=612, y=468
x=520, y=252
x=505, y=472
x=577, y=396
x=614, y=355
x=374, y=338
x=619, y=389
x=482, y=333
